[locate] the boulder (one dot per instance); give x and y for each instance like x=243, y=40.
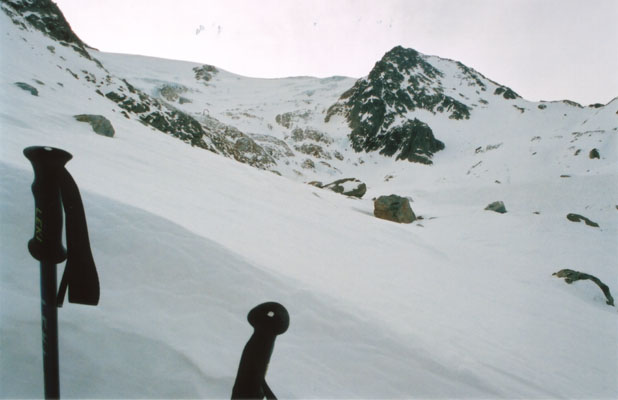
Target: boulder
x=99, y=124
x=497, y=206
x=348, y=187
x=394, y=208
x=571, y=276
x=579, y=218
x=594, y=153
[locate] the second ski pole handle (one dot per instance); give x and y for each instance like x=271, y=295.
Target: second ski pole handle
x=268, y=320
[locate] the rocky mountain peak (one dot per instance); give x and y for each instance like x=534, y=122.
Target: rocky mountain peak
x=45, y=16
x=378, y=107
x=400, y=60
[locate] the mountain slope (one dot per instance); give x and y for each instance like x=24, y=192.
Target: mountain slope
x=459, y=304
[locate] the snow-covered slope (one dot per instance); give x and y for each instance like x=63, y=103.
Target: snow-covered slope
x=187, y=240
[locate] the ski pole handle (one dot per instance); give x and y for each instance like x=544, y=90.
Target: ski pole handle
x=268, y=320
x=48, y=164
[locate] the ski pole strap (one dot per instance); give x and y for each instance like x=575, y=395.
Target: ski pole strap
x=267, y=392
x=80, y=273
x=54, y=188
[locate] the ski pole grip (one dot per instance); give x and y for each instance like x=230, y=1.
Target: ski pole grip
x=48, y=164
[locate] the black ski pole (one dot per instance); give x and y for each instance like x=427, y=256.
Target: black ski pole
x=52, y=183
x=269, y=320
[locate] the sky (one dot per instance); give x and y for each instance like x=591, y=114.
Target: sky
x=542, y=49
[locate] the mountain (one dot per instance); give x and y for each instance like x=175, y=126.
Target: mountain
x=301, y=127
x=198, y=210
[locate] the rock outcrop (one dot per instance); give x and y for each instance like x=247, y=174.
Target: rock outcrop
x=160, y=116
x=413, y=141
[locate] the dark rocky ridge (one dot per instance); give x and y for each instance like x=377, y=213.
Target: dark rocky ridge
x=400, y=82
x=45, y=16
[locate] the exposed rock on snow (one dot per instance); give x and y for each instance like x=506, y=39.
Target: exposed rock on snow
x=312, y=149
x=29, y=88
x=394, y=208
x=497, y=206
x=506, y=93
x=348, y=186
x=316, y=184
x=288, y=119
x=308, y=164
x=414, y=141
x=594, y=153
x=571, y=276
x=99, y=124
x=276, y=148
x=160, y=116
x=579, y=218
x=298, y=135
x=205, y=73
x=234, y=143
x=172, y=93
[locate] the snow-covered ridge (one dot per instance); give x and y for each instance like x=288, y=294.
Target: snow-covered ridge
x=460, y=303
x=253, y=120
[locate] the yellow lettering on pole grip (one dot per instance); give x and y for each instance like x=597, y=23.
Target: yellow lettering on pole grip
x=38, y=225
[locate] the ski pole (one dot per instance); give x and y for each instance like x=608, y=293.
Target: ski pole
x=52, y=183
x=268, y=320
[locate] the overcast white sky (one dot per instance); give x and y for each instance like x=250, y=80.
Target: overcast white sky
x=542, y=49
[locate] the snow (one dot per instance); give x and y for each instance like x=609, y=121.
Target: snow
x=460, y=304
x=348, y=186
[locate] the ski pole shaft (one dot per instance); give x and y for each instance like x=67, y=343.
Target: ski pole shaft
x=46, y=246
x=49, y=331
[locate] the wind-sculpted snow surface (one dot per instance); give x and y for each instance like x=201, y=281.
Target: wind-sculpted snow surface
x=459, y=303
x=171, y=322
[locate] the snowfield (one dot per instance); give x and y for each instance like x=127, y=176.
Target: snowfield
x=459, y=304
